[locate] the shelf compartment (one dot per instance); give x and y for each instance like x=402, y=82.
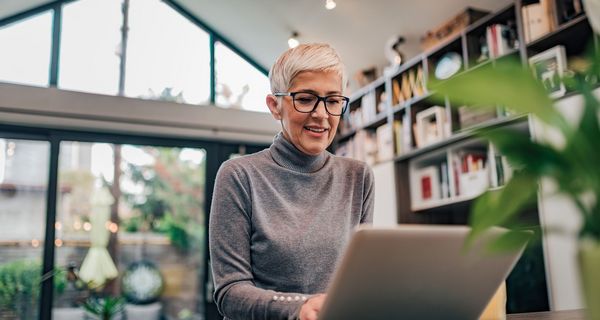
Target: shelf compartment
x=477, y=36
x=460, y=136
x=571, y=34
x=436, y=204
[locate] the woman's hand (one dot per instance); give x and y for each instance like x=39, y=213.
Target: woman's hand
x=310, y=309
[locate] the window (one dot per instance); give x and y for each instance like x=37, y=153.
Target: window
x=90, y=43
x=158, y=220
x=239, y=84
x=23, y=188
x=169, y=60
x=25, y=53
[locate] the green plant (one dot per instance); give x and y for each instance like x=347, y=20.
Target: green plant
x=104, y=308
x=20, y=286
x=571, y=166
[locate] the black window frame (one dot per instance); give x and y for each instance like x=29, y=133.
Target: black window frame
x=56, y=7
x=216, y=153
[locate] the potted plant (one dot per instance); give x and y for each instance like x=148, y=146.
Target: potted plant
x=105, y=308
x=573, y=167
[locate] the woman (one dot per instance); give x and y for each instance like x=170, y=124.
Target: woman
x=280, y=218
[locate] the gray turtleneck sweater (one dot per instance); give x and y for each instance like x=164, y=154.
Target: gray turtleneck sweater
x=279, y=222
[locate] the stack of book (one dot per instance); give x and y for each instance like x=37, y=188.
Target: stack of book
x=471, y=176
x=433, y=183
x=500, y=40
x=538, y=19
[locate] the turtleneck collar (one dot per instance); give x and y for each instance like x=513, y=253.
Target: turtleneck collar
x=288, y=156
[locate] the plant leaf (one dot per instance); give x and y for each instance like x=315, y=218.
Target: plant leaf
x=510, y=241
x=536, y=158
x=498, y=207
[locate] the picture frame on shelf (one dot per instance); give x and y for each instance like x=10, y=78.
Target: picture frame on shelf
x=549, y=67
x=430, y=126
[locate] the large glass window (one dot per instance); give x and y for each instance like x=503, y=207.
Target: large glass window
x=25, y=50
x=90, y=44
x=168, y=57
x=23, y=188
x=136, y=231
x=239, y=84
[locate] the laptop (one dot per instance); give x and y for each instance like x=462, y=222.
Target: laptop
x=415, y=272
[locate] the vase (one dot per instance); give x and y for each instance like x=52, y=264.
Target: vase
x=589, y=265
x=592, y=9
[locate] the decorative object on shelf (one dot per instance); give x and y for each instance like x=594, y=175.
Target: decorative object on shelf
x=570, y=9
x=549, y=67
x=142, y=283
x=570, y=168
x=468, y=116
x=393, y=54
x=592, y=7
x=538, y=19
x=501, y=39
x=448, y=65
x=451, y=28
x=365, y=76
x=430, y=125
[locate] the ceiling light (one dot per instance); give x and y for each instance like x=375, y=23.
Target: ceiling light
x=330, y=4
x=293, y=40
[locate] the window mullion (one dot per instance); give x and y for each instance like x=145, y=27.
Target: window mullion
x=213, y=76
x=55, y=53
x=124, y=39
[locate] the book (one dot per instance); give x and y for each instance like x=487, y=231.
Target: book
x=537, y=20
x=429, y=186
x=406, y=91
x=398, y=137
x=397, y=95
x=498, y=40
x=445, y=187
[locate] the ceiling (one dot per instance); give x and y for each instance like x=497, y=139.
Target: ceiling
x=358, y=29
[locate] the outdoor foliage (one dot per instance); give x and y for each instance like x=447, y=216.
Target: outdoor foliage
x=172, y=197
x=20, y=287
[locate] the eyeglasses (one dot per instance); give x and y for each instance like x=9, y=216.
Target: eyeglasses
x=306, y=102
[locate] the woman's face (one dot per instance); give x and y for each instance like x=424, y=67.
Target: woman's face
x=311, y=132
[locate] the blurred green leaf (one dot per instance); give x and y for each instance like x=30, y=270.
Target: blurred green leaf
x=509, y=241
x=498, y=207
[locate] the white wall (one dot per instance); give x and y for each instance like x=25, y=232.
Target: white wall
x=50, y=107
x=385, y=211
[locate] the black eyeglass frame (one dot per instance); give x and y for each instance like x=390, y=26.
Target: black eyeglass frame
x=319, y=99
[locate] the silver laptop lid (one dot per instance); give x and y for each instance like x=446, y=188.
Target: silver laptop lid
x=415, y=272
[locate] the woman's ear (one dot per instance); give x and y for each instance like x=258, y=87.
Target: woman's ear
x=274, y=107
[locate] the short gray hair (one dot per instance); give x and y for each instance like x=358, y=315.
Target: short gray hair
x=305, y=57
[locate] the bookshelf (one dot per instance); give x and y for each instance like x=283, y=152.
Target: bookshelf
x=438, y=177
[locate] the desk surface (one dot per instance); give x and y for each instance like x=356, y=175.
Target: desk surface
x=550, y=315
